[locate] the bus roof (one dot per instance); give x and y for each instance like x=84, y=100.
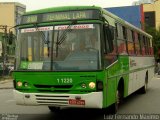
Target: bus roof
x=63, y=8
x=103, y=11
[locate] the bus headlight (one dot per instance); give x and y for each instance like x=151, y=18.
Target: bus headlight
x=19, y=84
x=92, y=85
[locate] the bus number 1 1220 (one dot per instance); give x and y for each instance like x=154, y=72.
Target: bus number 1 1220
x=64, y=80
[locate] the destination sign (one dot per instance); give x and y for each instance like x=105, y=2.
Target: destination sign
x=71, y=15
x=83, y=26
x=26, y=30
x=59, y=16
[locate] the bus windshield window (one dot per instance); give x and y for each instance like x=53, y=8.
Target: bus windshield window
x=74, y=48
x=32, y=51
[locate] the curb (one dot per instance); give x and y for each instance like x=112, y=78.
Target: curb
x=2, y=82
x=5, y=81
x=156, y=75
x=6, y=88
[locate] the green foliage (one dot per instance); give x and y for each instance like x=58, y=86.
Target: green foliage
x=156, y=39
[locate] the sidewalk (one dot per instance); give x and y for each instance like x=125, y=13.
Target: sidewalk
x=6, y=84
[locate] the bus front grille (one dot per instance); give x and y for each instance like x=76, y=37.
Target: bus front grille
x=55, y=91
x=54, y=100
x=53, y=86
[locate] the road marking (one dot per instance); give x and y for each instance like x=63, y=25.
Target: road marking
x=8, y=101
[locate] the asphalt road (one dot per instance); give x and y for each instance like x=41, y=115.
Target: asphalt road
x=136, y=104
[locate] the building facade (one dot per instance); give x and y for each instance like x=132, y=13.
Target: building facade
x=10, y=13
x=132, y=14
x=152, y=14
x=142, y=13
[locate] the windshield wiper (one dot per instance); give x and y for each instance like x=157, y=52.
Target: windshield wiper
x=46, y=41
x=62, y=38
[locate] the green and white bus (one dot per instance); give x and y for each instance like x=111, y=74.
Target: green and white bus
x=80, y=56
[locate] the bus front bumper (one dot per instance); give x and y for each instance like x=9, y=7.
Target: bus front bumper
x=90, y=100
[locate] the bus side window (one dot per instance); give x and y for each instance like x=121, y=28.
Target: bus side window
x=139, y=42
x=143, y=45
x=130, y=42
x=109, y=33
x=121, y=40
x=124, y=32
x=110, y=54
x=147, y=46
x=137, y=45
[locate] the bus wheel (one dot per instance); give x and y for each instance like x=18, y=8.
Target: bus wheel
x=143, y=90
x=114, y=107
x=54, y=109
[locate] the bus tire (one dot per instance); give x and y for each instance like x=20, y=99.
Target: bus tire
x=114, y=106
x=54, y=109
x=143, y=89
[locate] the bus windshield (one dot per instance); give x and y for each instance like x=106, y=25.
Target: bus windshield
x=67, y=48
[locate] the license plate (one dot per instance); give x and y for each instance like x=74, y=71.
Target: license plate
x=76, y=102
